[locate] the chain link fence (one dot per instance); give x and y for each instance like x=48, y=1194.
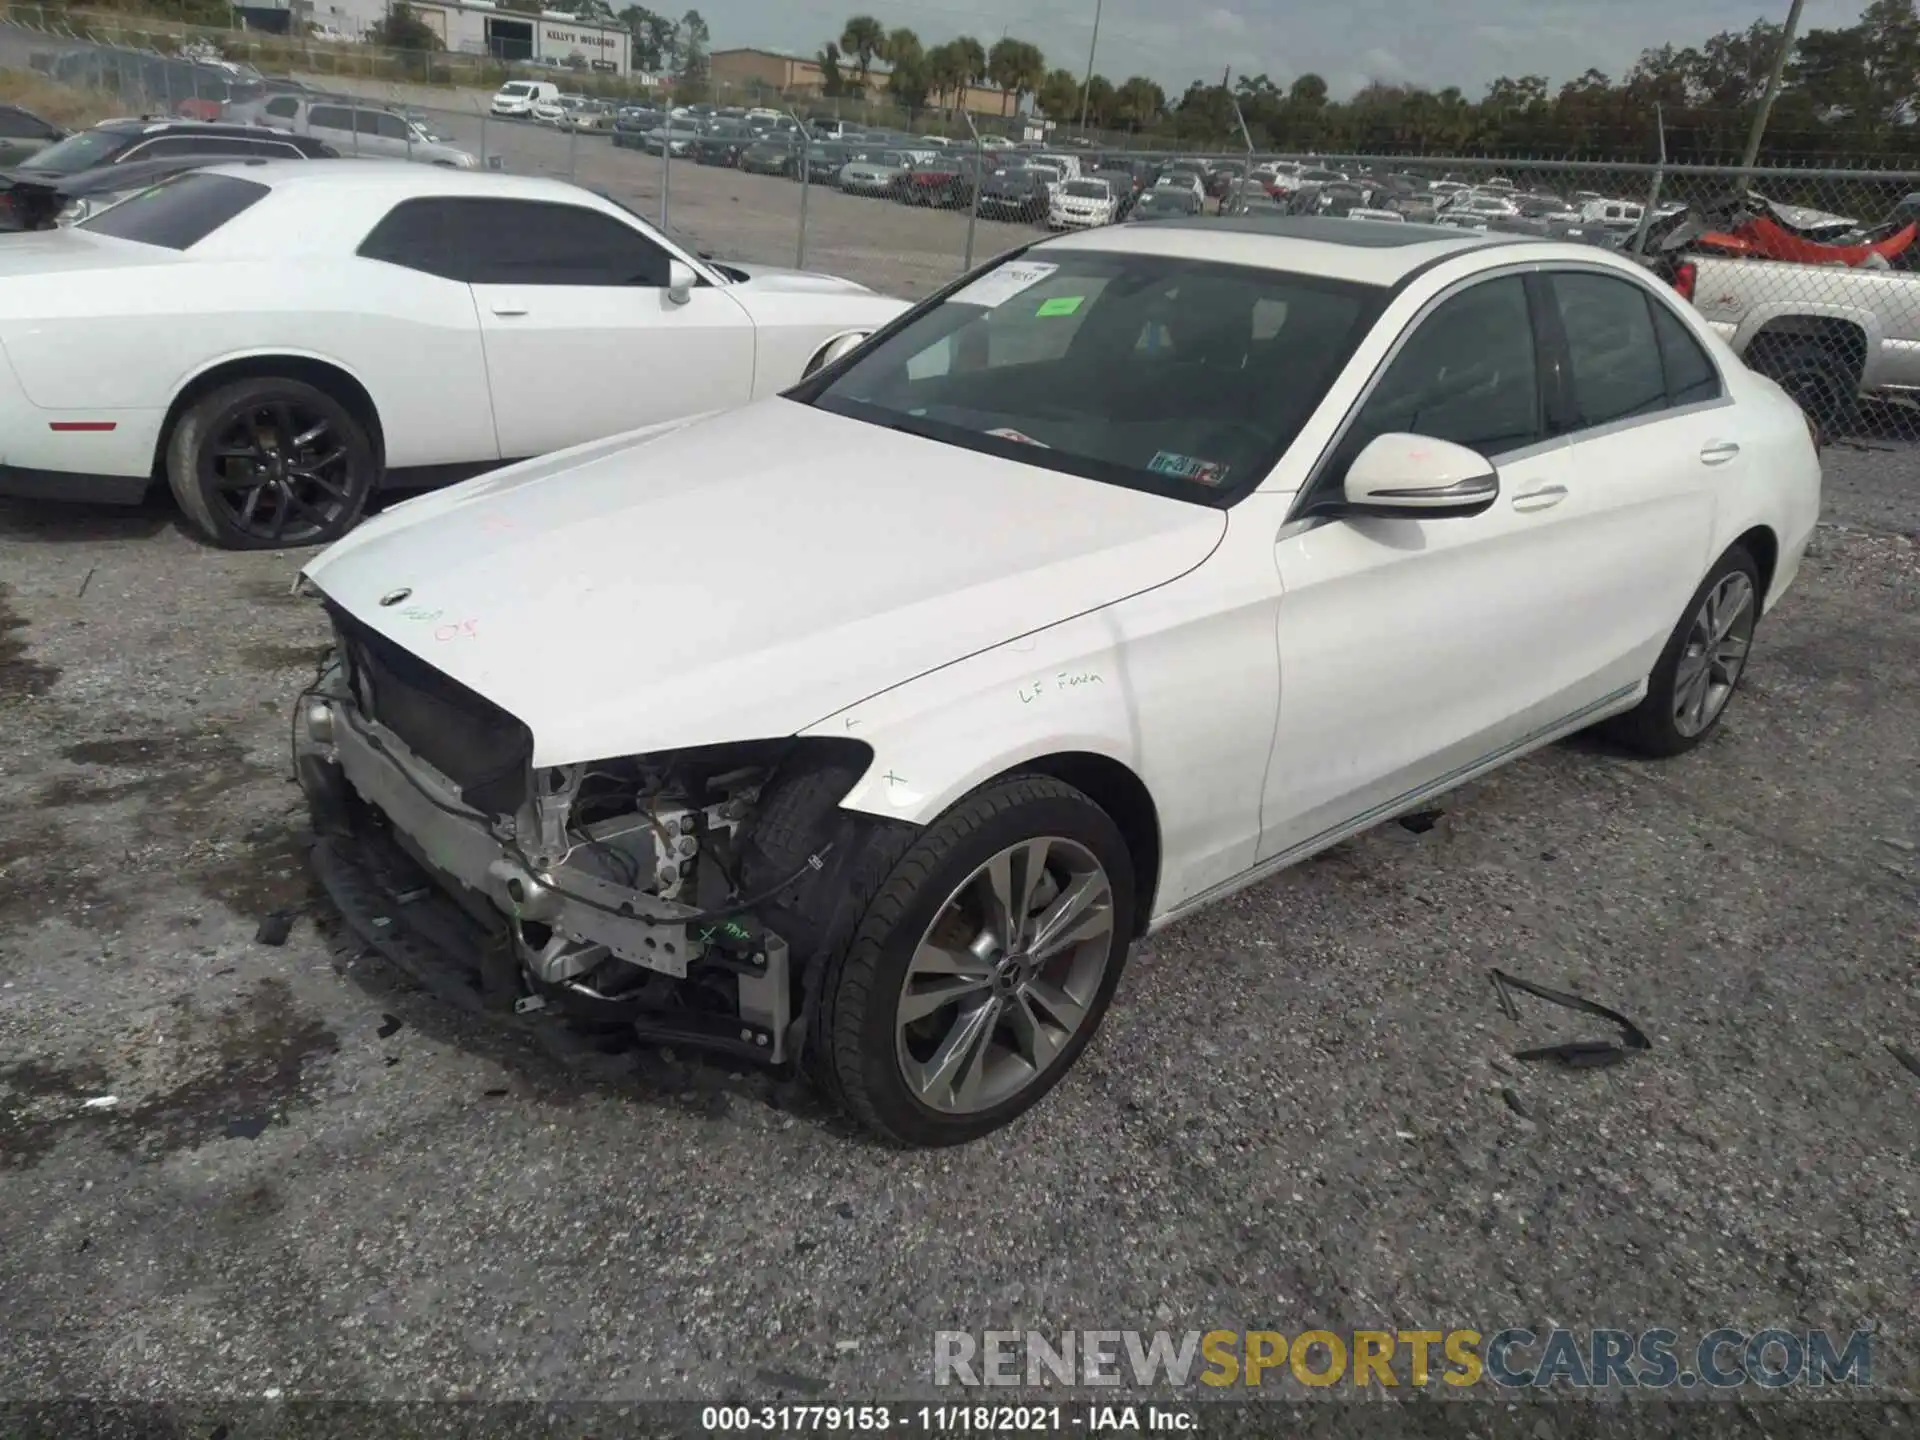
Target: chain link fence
x=1812, y=274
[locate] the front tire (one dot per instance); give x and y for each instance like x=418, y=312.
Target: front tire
x=981, y=967
x=270, y=463
x=1700, y=668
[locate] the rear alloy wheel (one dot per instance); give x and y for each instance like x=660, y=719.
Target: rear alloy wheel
x=982, y=967
x=269, y=464
x=1700, y=668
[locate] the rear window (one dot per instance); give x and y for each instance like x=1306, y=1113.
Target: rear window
x=178, y=214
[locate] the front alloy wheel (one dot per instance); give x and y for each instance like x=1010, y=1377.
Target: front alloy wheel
x=981, y=966
x=270, y=463
x=1005, y=976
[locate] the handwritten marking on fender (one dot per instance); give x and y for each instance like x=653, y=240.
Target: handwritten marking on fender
x=460, y=630
x=1060, y=683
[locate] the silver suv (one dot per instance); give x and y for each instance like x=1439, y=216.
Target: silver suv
x=357, y=130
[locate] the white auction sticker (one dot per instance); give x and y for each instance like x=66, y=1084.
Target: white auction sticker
x=999, y=286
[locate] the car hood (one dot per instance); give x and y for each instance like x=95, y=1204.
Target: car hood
x=773, y=279
x=742, y=575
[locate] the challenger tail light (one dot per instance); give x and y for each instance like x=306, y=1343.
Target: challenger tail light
x=1685, y=274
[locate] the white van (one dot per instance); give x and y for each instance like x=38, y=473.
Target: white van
x=518, y=97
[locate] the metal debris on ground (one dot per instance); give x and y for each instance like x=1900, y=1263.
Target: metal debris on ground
x=100, y=1102
x=1908, y=1060
x=1576, y=1054
x=275, y=928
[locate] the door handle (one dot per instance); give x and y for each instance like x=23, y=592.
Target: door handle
x=1719, y=452
x=509, y=309
x=1544, y=498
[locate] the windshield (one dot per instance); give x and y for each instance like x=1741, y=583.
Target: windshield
x=79, y=152
x=1178, y=376
x=1044, y=172
x=518, y=90
x=1173, y=202
x=1087, y=189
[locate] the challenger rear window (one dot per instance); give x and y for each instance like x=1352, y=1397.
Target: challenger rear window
x=179, y=213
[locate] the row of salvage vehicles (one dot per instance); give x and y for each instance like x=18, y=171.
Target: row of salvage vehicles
x=850, y=685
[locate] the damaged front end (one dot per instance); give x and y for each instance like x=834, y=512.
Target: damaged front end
x=633, y=896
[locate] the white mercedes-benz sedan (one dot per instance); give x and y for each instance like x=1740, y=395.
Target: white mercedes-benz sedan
x=278, y=338
x=868, y=726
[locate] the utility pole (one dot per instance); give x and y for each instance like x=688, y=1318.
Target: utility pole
x=1086, y=86
x=1792, y=29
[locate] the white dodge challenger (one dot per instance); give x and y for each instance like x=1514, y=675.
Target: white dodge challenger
x=1127, y=571
x=276, y=339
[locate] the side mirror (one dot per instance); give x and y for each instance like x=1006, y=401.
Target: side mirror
x=834, y=352
x=680, y=282
x=1418, y=477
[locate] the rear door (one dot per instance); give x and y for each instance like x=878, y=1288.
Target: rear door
x=1654, y=442
x=383, y=135
x=333, y=124
x=582, y=340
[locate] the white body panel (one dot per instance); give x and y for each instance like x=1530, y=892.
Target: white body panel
x=1273, y=681
x=99, y=329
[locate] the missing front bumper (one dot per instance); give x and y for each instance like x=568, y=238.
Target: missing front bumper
x=427, y=890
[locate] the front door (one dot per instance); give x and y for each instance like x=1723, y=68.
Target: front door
x=582, y=340
x=1412, y=649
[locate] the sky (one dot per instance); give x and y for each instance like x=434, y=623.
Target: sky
x=1350, y=42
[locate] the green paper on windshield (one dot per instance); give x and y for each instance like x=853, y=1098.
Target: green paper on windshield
x=1059, y=305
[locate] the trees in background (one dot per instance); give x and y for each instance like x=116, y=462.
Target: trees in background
x=1854, y=90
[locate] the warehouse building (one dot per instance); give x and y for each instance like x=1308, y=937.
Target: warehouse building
x=481, y=27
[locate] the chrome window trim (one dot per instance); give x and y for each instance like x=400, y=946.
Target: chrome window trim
x=1309, y=490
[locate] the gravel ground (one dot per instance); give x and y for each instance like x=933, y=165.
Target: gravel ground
x=1300, y=1114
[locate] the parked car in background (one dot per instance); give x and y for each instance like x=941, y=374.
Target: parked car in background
x=280, y=338
x=874, y=175
x=1014, y=193
x=825, y=159
x=360, y=130
x=770, y=156
x=1172, y=203
x=722, y=143
x=129, y=156
x=1391, y=217
x=24, y=134
x=834, y=129
x=631, y=124
x=946, y=181
x=515, y=99
x=1081, y=205
x=589, y=117
x=1182, y=179
x=1255, y=203
x=553, y=109
x=1475, y=210
x=676, y=138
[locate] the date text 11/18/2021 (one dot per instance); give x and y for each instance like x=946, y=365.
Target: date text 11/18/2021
x=949, y=1419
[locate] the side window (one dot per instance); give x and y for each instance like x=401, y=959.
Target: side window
x=163, y=149
x=1613, y=358
x=421, y=235
x=18, y=125
x=330, y=117
x=376, y=122
x=1691, y=376
x=1468, y=374
x=531, y=242
x=284, y=106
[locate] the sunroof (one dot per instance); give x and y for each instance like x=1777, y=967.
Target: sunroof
x=1365, y=234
